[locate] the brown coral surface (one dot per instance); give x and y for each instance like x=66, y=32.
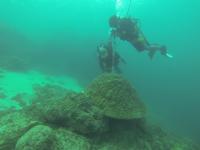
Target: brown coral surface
x=116, y=97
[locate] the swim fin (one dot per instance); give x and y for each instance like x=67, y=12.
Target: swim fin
x=168, y=55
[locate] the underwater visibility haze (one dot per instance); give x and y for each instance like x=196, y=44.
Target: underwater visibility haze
x=48, y=54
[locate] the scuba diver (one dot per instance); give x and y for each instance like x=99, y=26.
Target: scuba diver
x=108, y=58
x=127, y=30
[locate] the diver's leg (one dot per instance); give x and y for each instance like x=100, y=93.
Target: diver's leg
x=161, y=48
x=154, y=48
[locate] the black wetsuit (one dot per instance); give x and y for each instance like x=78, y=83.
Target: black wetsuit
x=127, y=29
x=111, y=60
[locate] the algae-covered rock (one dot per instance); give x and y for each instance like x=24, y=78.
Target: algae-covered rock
x=43, y=96
x=37, y=138
x=75, y=112
x=124, y=134
x=131, y=135
x=67, y=140
x=123, y=140
x=48, y=92
x=22, y=99
x=162, y=140
x=182, y=144
x=12, y=127
x=116, y=97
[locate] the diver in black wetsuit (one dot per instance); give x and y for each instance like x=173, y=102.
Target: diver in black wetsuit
x=109, y=59
x=128, y=30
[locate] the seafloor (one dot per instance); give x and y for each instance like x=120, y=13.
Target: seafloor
x=42, y=112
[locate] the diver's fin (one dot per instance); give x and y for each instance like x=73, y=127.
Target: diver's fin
x=168, y=55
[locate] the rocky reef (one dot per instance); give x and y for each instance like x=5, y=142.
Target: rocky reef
x=109, y=115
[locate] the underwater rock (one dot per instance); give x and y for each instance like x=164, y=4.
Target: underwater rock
x=43, y=96
x=75, y=112
x=12, y=127
x=124, y=134
x=21, y=99
x=115, y=97
x=122, y=140
x=6, y=112
x=145, y=137
x=162, y=140
x=48, y=92
x=67, y=140
x=183, y=144
x=37, y=138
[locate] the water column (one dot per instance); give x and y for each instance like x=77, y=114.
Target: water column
x=121, y=7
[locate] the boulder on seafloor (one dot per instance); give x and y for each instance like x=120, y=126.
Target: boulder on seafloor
x=138, y=135
x=37, y=138
x=12, y=127
x=116, y=97
x=48, y=92
x=67, y=140
x=124, y=134
x=163, y=140
x=178, y=143
x=74, y=111
x=22, y=99
x=43, y=96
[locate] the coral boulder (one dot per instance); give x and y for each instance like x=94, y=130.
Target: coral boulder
x=116, y=97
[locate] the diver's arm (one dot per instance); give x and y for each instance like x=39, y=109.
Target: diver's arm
x=113, y=32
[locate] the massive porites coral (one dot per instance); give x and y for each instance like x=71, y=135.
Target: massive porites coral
x=116, y=97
